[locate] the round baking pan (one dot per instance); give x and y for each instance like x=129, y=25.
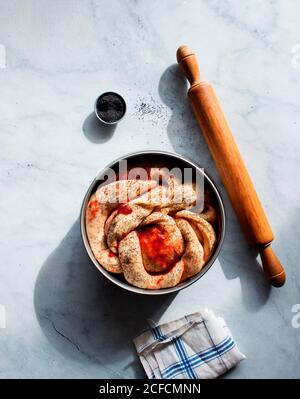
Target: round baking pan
x=155, y=159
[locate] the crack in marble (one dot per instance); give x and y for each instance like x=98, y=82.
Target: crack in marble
x=63, y=335
x=88, y=356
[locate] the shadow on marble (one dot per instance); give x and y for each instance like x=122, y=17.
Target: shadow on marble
x=237, y=259
x=183, y=130
x=86, y=317
x=96, y=131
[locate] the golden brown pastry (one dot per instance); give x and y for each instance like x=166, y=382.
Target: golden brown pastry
x=145, y=231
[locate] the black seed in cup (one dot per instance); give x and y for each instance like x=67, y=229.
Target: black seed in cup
x=110, y=107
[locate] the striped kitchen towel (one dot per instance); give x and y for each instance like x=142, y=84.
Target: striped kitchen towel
x=198, y=345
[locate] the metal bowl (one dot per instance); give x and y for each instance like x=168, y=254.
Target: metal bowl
x=165, y=158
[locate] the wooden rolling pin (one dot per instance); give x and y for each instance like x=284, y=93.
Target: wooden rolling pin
x=230, y=164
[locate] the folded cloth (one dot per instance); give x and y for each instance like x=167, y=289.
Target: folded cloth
x=198, y=345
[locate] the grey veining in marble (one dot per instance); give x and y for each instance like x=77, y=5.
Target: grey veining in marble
x=62, y=318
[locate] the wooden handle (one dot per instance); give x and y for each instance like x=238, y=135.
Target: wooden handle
x=188, y=63
x=272, y=266
x=230, y=164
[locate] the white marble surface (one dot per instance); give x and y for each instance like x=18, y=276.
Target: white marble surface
x=62, y=318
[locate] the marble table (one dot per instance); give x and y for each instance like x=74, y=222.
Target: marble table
x=62, y=318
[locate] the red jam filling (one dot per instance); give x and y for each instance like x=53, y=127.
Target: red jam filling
x=124, y=209
x=111, y=254
x=156, y=247
x=93, y=208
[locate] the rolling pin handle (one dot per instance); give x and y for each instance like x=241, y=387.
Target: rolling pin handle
x=272, y=266
x=187, y=61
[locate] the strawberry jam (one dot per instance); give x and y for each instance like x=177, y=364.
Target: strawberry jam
x=124, y=209
x=156, y=247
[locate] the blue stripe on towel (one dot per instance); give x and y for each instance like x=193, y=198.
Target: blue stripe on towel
x=199, y=359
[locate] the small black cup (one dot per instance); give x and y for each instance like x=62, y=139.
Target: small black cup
x=110, y=107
